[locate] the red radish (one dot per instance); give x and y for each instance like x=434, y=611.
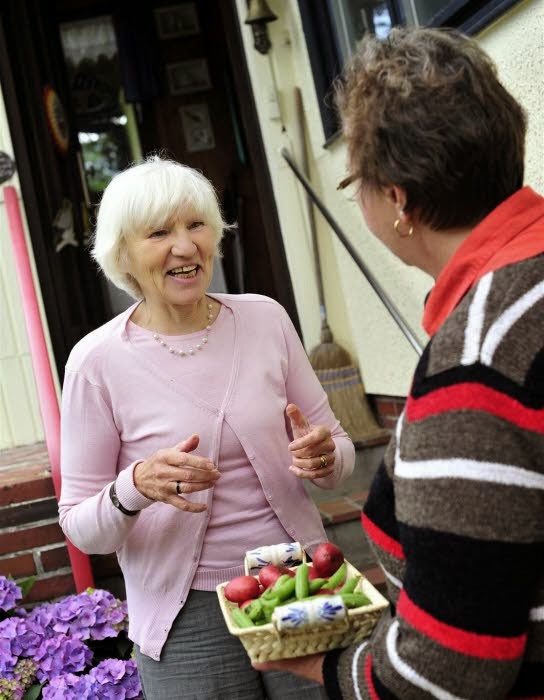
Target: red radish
x=241, y=589
x=245, y=603
x=327, y=558
x=312, y=573
x=325, y=591
x=269, y=574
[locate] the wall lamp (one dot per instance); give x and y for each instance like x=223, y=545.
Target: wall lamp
x=258, y=17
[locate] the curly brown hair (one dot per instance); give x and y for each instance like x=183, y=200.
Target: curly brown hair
x=424, y=110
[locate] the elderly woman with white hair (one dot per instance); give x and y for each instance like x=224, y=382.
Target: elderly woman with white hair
x=189, y=422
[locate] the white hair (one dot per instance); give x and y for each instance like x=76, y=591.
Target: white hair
x=149, y=196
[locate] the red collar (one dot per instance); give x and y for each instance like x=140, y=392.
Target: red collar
x=512, y=232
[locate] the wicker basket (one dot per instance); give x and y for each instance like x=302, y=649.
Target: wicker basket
x=266, y=643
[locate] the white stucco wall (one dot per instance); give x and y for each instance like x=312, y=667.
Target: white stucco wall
x=516, y=44
x=358, y=319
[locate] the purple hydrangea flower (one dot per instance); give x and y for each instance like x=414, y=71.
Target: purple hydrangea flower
x=117, y=679
x=24, y=634
x=95, y=614
x=7, y=658
x=71, y=687
x=59, y=655
x=42, y=616
x=19, y=637
x=10, y=593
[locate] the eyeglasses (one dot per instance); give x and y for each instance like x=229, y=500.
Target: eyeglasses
x=347, y=181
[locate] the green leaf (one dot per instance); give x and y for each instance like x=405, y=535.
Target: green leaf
x=34, y=692
x=26, y=584
x=124, y=647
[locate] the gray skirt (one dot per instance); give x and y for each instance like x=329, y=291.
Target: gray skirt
x=201, y=660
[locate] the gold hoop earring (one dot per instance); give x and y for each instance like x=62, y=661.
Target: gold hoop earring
x=402, y=235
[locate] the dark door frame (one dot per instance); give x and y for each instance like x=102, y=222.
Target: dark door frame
x=34, y=207
x=255, y=146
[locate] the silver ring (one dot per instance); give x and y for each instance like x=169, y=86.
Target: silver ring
x=177, y=488
x=324, y=460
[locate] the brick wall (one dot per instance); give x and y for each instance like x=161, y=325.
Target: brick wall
x=31, y=541
x=387, y=409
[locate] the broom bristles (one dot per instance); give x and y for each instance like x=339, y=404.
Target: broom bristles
x=343, y=385
x=328, y=353
x=349, y=404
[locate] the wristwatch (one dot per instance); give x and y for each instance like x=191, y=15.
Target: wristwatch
x=117, y=503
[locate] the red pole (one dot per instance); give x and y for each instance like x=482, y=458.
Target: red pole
x=47, y=396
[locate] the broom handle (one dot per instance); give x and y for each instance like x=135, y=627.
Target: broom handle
x=399, y=320
x=309, y=203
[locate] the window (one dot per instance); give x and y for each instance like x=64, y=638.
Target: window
x=333, y=27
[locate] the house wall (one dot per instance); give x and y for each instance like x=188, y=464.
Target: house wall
x=20, y=420
x=358, y=319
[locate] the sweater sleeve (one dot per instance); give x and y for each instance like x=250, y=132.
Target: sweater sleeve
x=304, y=389
x=89, y=453
x=469, y=533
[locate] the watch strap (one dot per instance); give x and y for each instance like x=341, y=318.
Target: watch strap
x=116, y=502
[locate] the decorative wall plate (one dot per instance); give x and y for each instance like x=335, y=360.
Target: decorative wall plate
x=56, y=119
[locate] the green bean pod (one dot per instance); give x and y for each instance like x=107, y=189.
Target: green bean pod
x=286, y=589
x=355, y=600
x=268, y=607
x=254, y=610
x=241, y=619
x=350, y=585
x=315, y=584
x=279, y=582
x=268, y=593
x=301, y=582
x=339, y=576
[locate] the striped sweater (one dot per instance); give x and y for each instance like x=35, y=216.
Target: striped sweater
x=456, y=509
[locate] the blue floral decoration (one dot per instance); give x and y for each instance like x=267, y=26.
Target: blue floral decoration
x=329, y=611
x=297, y=616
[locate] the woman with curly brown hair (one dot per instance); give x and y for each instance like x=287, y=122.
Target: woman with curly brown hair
x=456, y=510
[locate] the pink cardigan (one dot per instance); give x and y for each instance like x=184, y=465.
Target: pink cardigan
x=118, y=409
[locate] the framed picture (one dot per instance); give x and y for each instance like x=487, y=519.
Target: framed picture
x=177, y=20
x=197, y=128
x=185, y=77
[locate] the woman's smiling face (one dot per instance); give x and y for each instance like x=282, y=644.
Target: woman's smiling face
x=173, y=265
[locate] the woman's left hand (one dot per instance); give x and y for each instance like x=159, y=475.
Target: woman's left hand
x=312, y=449
x=310, y=667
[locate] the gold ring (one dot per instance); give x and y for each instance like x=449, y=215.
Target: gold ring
x=324, y=461
x=177, y=488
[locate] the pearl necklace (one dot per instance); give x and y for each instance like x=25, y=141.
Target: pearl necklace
x=191, y=351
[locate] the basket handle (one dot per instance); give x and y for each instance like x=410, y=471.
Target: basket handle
x=285, y=554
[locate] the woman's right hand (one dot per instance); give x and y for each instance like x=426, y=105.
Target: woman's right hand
x=171, y=472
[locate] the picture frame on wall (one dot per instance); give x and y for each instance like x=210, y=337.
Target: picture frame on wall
x=186, y=77
x=197, y=127
x=177, y=20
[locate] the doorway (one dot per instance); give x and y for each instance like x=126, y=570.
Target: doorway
x=168, y=85
x=185, y=92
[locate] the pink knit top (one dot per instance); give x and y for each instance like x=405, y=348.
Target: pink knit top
x=125, y=397
x=241, y=518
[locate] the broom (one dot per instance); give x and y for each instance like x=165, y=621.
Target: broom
x=331, y=362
